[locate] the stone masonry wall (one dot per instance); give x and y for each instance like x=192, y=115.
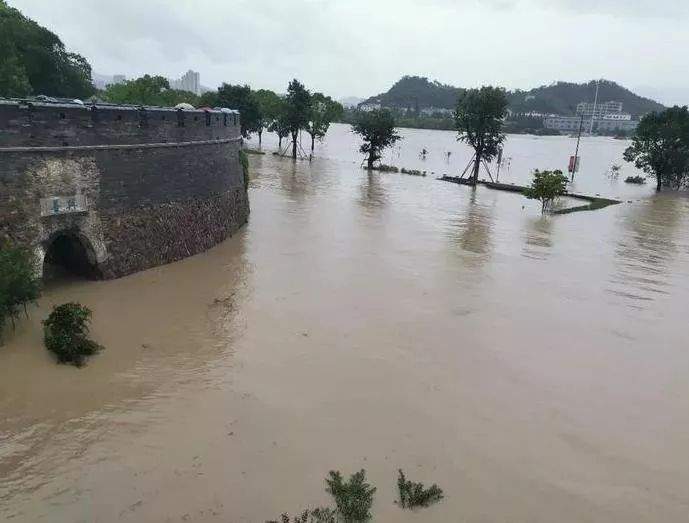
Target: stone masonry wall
x=154, y=193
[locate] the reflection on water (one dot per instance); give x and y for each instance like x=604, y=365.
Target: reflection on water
x=471, y=230
x=538, y=240
x=534, y=367
x=656, y=232
x=373, y=195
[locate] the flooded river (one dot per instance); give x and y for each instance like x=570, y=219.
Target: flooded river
x=535, y=368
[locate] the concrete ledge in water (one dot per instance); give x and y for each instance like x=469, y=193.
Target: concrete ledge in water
x=595, y=202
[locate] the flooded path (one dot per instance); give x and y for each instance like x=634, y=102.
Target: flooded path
x=535, y=368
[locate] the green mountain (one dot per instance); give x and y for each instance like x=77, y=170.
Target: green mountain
x=412, y=92
x=563, y=97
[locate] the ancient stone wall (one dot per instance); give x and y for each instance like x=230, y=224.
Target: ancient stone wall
x=139, y=188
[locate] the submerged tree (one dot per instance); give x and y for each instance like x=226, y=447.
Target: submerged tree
x=269, y=108
x=324, y=111
x=66, y=334
x=353, y=498
x=280, y=124
x=660, y=147
x=19, y=282
x=479, y=121
x=414, y=494
x=377, y=130
x=298, y=109
x=546, y=187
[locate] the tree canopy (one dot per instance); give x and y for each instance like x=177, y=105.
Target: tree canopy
x=660, y=147
x=324, y=110
x=546, y=187
x=479, y=119
x=377, y=130
x=237, y=97
x=298, y=110
x=270, y=106
x=147, y=90
x=34, y=60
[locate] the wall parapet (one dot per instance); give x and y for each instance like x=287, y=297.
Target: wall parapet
x=111, y=147
x=41, y=124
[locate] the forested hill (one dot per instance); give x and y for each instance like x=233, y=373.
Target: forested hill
x=563, y=97
x=410, y=90
x=558, y=98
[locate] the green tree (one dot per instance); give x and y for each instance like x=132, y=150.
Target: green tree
x=479, y=119
x=660, y=147
x=324, y=111
x=298, y=111
x=377, y=130
x=148, y=90
x=19, y=283
x=280, y=124
x=13, y=79
x=241, y=98
x=34, y=60
x=269, y=108
x=546, y=187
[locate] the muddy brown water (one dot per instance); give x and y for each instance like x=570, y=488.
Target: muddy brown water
x=535, y=368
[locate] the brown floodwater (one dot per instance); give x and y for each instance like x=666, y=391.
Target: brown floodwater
x=535, y=368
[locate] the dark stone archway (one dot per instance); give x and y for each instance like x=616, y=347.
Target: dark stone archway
x=69, y=253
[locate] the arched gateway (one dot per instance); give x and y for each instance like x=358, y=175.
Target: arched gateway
x=72, y=253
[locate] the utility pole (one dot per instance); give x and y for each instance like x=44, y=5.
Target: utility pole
x=575, y=163
x=595, y=103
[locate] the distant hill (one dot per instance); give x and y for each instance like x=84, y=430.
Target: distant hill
x=413, y=90
x=563, y=97
x=558, y=98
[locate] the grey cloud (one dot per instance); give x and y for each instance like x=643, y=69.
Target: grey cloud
x=359, y=47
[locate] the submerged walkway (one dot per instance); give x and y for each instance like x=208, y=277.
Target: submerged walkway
x=594, y=202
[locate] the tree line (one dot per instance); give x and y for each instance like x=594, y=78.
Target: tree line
x=261, y=110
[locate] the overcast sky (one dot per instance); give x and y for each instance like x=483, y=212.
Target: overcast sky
x=360, y=47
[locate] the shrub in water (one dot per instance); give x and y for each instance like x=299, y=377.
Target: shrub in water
x=317, y=515
x=66, y=334
x=546, y=187
x=415, y=495
x=353, y=498
x=635, y=179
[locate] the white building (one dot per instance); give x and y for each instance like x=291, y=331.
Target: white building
x=366, y=107
x=604, y=117
x=572, y=123
x=190, y=81
x=431, y=111
x=599, y=110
